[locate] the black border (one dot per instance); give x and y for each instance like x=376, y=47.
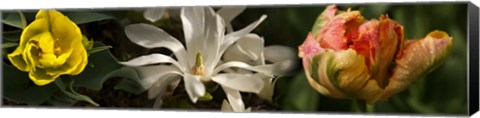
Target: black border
x=473, y=35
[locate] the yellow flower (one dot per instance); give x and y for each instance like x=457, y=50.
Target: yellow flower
x=50, y=46
x=348, y=57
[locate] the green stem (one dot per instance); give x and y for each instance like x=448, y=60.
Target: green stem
x=362, y=107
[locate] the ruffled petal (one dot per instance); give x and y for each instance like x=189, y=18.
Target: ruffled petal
x=418, y=58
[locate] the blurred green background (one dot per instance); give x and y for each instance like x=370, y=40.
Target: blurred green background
x=442, y=92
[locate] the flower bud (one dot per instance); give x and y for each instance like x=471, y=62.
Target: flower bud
x=351, y=58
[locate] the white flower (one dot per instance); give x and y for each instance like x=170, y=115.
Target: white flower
x=206, y=42
x=228, y=108
x=154, y=14
x=250, y=49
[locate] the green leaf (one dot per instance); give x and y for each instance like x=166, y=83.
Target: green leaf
x=86, y=17
x=9, y=45
x=13, y=36
x=301, y=96
x=98, y=49
x=61, y=99
x=66, y=86
x=131, y=84
x=15, y=19
x=93, y=76
x=19, y=88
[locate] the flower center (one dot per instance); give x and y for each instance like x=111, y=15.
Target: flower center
x=198, y=69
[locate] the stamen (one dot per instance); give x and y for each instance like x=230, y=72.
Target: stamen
x=198, y=69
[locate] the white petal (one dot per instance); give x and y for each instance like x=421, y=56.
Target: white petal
x=244, y=83
x=234, y=53
x=214, y=33
x=265, y=69
x=268, y=88
x=234, y=36
x=226, y=106
x=251, y=45
x=150, y=36
x=161, y=85
x=234, y=98
x=193, y=22
x=229, y=13
x=194, y=87
x=152, y=59
x=153, y=14
x=277, y=53
x=155, y=73
x=159, y=89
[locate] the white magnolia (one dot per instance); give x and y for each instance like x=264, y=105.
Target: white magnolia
x=199, y=61
x=228, y=108
x=280, y=57
x=250, y=49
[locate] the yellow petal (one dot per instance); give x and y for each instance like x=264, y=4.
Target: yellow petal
x=322, y=70
x=16, y=57
x=352, y=76
x=40, y=78
x=418, y=58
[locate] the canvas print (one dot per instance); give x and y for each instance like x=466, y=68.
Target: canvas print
x=374, y=58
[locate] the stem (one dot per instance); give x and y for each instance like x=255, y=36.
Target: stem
x=362, y=107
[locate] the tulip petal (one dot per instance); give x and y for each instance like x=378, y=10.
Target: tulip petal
x=153, y=14
x=244, y=83
x=40, y=78
x=308, y=50
x=193, y=86
x=325, y=17
x=36, y=27
x=418, y=58
x=351, y=75
x=152, y=37
x=152, y=59
x=335, y=34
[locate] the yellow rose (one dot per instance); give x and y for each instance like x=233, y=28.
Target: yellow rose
x=50, y=46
